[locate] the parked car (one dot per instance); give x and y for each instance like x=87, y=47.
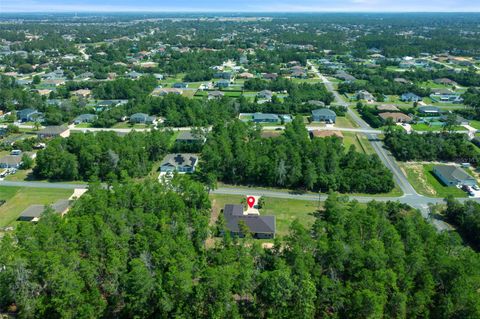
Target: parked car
x=475, y=187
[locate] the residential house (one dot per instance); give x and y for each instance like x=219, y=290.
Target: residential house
x=142, y=118
x=213, y=95
x=445, y=81
x=165, y=91
x=397, y=117
x=10, y=161
x=246, y=75
x=429, y=110
x=265, y=94
x=182, y=163
x=222, y=84
x=34, y=212
x=451, y=175
x=180, y=85
x=324, y=115
x=260, y=227
x=365, y=95
x=270, y=76
x=134, y=75
x=85, y=118
x=265, y=118
x=223, y=75
x=410, y=97
x=82, y=93
x=387, y=107
x=190, y=138
x=29, y=115
x=54, y=131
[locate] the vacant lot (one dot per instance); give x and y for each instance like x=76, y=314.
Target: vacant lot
x=19, y=198
x=426, y=183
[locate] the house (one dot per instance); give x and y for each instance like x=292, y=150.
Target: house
x=165, y=91
x=82, y=93
x=365, y=95
x=429, y=110
x=387, y=107
x=34, y=212
x=182, y=163
x=451, y=175
x=142, y=118
x=445, y=95
x=223, y=75
x=410, y=97
x=319, y=104
x=397, y=117
x=190, y=138
x=261, y=227
x=401, y=80
x=246, y=75
x=10, y=161
x=134, y=75
x=215, y=95
x=265, y=118
x=458, y=120
x=54, y=131
x=326, y=133
x=445, y=81
x=29, y=115
x=265, y=94
x=270, y=76
x=85, y=118
x=222, y=84
x=325, y=115
x=180, y=85
x=342, y=75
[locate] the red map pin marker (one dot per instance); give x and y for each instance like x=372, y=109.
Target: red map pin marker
x=251, y=201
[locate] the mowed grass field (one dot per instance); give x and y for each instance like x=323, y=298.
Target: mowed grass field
x=285, y=210
x=19, y=198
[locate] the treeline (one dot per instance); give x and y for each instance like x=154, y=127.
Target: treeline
x=235, y=153
x=101, y=156
x=466, y=218
x=137, y=250
x=125, y=88
x=430, y=146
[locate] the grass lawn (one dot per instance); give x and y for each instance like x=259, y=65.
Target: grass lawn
x=475, y=124
x=426, y=127
x=84, y=125
x=425, y=183
x=19, y=198
x=345, y=122
x=129, y=125
x=285, y=210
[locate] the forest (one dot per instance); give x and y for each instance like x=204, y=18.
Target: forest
x=235, y=153
x=466, y=217
x=431, y=147
x=101, y=156
x=138, y=250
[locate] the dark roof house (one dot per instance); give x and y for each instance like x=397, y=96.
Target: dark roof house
x=261, y=227
x=54, y=131
x=182, y=163
x=324, y=115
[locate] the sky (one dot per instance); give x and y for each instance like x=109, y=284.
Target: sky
x=239, y=5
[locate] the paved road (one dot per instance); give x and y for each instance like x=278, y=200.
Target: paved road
x=42, y=185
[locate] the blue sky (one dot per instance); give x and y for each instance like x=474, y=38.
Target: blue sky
x=239, y=5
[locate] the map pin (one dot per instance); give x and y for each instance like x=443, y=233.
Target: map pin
x=250, y=201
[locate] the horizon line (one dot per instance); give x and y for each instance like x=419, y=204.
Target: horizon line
x=231, y=11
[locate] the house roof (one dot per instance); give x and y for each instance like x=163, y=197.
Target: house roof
x=265, y=116
x=428, y=108
x=257, y=224
x=395, y=116
x=180, y=159
x=188, y=136
x=34, y=211
x=53, y=130
x=452, y=173
x=323, y=112
x=86, y=116
x=11, y=160
x=387, y=107
x=216, y=93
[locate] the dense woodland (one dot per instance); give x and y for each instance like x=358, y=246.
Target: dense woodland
x=101, y=156
x=466, y=218
x=138, y=250
x=235, y=153
x=431, y=147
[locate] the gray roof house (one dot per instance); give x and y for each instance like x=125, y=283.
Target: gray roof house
x=10, y=161
x=265, y=94
x=182, y=163
x=324, y=115
x=261, y=227
x=54, y=131
x=85, y=118
x=215, y=95
x=410, y=97
x=265, y=118
x=180, y=85
x=451, y=175
x=142, y=118
x=33, y=212
x=430, y=110
x=188, y=137
x=222, y=84
x=28, y=115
